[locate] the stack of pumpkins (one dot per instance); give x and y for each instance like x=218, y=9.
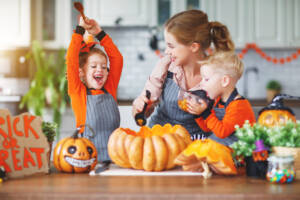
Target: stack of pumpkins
x=162, y=147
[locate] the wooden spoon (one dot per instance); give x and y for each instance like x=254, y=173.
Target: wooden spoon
x=79, y=7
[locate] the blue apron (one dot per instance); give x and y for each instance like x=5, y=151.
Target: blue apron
x=102, y=114
x=220, y=112
x=168, y=111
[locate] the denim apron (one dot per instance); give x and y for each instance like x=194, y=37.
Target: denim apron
x=220, y=112
x=102, y=114
x=168, y=111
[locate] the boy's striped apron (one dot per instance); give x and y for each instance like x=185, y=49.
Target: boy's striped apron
x=220, y=112
x=103, y=116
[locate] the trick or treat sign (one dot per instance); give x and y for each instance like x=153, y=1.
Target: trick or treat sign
x=23, y=146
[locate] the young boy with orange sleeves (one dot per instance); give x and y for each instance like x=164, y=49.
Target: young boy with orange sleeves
x=220, y=74
x=92, y=86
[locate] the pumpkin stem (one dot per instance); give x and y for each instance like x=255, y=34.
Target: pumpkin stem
x=76, y=133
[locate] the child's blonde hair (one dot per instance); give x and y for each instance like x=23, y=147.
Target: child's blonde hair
x=226, y=62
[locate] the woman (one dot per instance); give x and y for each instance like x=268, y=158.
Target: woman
x=187, y=36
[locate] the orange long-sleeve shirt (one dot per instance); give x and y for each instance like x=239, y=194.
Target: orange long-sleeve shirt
x=236, y=113
x=76, y=89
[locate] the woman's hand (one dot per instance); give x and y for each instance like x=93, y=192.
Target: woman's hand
x=166, y=60
x=138, y=104
x=196, y=108
x=90, y=25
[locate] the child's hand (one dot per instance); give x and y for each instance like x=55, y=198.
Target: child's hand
x=90, y=25
x=196, y=108
x=93, y=27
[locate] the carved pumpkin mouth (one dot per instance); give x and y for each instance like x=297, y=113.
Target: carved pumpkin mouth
x=79, y=163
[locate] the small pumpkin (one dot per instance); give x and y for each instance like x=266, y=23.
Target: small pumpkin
x=150, y=149
x=261, y=152
x=216, y=155
x=276, y=113
x=75, y=154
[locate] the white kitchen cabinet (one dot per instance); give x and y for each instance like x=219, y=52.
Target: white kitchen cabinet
x=269, y=25
x=120, y=12
x=232, y=13
x=293, y=23
x=53, y=22
x=14, y=23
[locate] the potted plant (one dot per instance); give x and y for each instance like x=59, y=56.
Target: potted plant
x=49, y=130
x=48, y=87
x=273, y=88
x=285, y=140
x=253, y=140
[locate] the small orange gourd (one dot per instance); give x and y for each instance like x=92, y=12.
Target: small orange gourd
x=150, y=149
x=75, y=154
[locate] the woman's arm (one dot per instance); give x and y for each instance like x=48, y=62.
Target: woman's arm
x=154, y=84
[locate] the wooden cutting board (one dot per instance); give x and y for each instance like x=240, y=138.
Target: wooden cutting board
x=115, y=170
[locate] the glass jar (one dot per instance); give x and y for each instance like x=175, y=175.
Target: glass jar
x=195, y=96
x=281, y=169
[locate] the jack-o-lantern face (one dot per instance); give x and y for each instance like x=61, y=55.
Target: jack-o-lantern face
x=274, y=117
x=75, y=155
x=260, y=156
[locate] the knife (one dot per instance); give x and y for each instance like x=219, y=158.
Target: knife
x=140, y=117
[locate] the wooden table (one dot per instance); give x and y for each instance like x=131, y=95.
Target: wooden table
x=83, y=186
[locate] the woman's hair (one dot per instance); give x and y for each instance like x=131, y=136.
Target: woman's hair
x=83, y=56
x=226, y=62
x=193, y=26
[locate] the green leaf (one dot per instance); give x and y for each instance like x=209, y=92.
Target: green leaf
x=47, y=72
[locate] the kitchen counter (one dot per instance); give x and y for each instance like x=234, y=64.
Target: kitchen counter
x=82, y=186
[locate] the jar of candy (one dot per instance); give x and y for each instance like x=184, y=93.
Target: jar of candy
x=281, y=169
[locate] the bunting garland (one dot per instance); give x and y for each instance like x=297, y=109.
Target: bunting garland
x=275, y=60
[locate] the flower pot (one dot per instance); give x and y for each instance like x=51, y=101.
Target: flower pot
x=271, y=94
x=256, y=169
x=285, y=151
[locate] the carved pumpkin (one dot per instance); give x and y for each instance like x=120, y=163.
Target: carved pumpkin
x=276, y=113
x=150, y=149
x=275, y=117
x=261, y=152
x=74, y=154
x=260, y=156
x=216, y=155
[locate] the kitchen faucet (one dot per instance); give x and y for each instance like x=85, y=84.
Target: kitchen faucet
x=247, y=71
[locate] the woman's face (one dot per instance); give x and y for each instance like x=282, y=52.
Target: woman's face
x=178, y=52
x=94, y=72
x=211, y=81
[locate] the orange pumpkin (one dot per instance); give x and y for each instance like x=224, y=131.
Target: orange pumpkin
x=182, y=104
x=276, y=113
x=74, y=154
x=275, y=117
x=150, y=149
x=216, y=155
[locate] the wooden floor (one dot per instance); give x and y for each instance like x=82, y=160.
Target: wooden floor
x=83, y=186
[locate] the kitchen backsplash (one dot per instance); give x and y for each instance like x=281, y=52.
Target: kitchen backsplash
x=139, y=60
